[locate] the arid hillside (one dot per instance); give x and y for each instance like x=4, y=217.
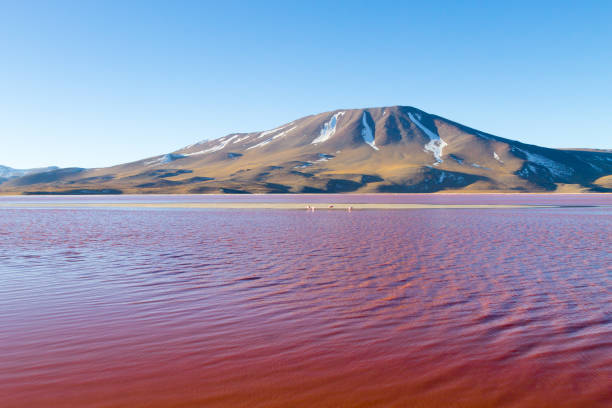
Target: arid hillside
x=395, y=149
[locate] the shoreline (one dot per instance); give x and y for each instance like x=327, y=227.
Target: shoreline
x=436, y=193
x=282, y=206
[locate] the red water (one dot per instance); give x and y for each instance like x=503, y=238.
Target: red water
x=265, y=308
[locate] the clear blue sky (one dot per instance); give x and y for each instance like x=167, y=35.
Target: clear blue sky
x=95, y=83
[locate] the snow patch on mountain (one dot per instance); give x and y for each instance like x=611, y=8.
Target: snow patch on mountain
x=527, y=170
x=240, y=139
x=283, y=133
x=435, y=145
x=272, y=131
x=366, y=132
x=260, y=144
x=166, y=158
x=496, y=157
x=329, y=128
x=555, y=168
x=224, y=141
x=265, y=142
x=201, y=142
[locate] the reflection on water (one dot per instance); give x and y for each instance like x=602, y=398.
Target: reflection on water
x=178, y=308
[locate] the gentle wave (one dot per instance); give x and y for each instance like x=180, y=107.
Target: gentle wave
x=462, y=308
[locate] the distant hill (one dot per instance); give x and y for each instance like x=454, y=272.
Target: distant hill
x=396, y=149
x=7, y=173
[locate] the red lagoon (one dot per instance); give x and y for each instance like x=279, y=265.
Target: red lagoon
x=271, y=308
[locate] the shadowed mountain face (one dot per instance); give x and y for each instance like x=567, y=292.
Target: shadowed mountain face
x=8, y=173
x=393, y=149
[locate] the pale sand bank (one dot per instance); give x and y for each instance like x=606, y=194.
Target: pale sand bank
x=272, y=206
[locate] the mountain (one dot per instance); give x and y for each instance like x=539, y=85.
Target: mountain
x=397, y=149
x=7, y=173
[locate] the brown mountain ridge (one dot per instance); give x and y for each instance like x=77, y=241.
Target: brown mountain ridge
x=397, y=149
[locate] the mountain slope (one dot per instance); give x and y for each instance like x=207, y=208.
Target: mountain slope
x=390, y=149
x=7, y=173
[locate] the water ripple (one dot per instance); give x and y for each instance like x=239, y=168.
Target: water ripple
x=109, y=308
